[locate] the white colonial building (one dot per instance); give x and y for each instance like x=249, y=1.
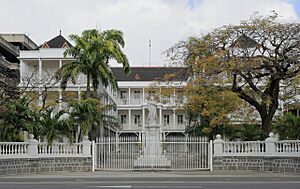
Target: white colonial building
x=37, y=76
x=135, y=90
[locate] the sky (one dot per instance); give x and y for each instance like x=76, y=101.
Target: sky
x=165, y=22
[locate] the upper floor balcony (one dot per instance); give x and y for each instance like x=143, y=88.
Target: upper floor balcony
x=165, y=127
x=172, y=101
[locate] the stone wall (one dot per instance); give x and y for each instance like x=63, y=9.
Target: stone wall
x=257, y=163
x=44, y=165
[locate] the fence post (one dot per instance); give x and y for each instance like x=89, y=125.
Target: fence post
x=32, y=146
x=86, y=146
x=211, y=155
x=270, y=144
x=218, y=146
x=93, y=156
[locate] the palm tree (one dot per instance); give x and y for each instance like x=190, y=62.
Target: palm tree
x=90, y=113
x=250, y=132
x=51, y=125
x=288, y=127
x=93, y=50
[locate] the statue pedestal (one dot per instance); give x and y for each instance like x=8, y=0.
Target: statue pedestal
x=152, y=154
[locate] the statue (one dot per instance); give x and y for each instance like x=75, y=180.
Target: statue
x=152, y=117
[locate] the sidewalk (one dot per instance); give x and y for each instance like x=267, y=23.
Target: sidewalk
x=159, y=174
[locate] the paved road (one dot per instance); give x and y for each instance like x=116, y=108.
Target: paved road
x=152, y=180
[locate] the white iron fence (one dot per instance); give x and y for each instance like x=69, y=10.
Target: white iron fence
x=174, y=153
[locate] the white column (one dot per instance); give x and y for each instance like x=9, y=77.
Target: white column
x=79, y=93
x=174, y=119
x=40, y=69
x=21, y=71
x=40, y=97
x=60, y=99
x=129, y=119
x=143, y=117
x=174, y=96
x=129, y=95
x=160, y=116
x=160, y=101
x=60, y=63
x=143, y=95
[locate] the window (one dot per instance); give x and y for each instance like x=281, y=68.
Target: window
x=136, y=94
x=123, y=94
x=137, y=119
x=151, y=93
x=166, y=119
x=123, y=119
x=179, y=119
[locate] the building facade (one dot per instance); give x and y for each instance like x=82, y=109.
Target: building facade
x=37, y=73
x=137, y=88
x=10, y=45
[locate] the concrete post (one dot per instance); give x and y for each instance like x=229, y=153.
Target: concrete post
x=218, y=146
x=86, y=148
x=32, y=146
x=270, y=144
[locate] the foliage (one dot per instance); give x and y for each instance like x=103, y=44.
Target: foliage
x=250, y=132
x=89, y=113
x=252, y=58
x=51, y=125
x=14, y=117
x=93, y=50
x=288, y=127
x=209, y=106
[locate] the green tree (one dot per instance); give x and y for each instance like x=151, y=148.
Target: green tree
x=51, y=125
x=288, y=127
x=250, y=132
x=93, y=51
x=209, y=107
x=253, y=58
x=90, y=114
x=14, y=117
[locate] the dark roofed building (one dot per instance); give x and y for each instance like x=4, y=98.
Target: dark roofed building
x=57, y=42
x=151, y=73
x=244, y=42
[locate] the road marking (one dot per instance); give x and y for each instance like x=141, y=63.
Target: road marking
x=109, y=186
x=150, y=186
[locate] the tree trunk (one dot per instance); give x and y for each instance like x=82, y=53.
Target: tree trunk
x=266, y=122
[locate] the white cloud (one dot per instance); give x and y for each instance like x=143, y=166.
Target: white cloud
x=164, y=21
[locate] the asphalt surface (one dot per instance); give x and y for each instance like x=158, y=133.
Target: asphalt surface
x=156, y=180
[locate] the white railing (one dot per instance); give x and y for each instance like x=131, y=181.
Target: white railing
x=13, y=148
x=245, y=148
x=287, y=147
x=35, y=149
x=269, y=147
x=60, y=149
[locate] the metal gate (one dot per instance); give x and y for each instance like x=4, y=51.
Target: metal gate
x=174, y=153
